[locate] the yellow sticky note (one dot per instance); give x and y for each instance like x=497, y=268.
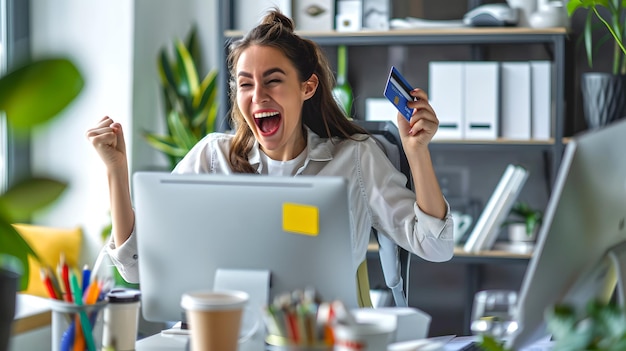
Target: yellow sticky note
x=301, y=219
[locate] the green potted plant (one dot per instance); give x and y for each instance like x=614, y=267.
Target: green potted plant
x=29, y=95
x=525, y=219
x=601, y=326
x=604, y=93
x=190, y=104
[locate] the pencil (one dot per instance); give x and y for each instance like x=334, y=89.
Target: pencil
x=48, y=284
x=65, y=275
x=55, y=282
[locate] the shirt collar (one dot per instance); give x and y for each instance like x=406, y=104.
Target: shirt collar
x=318, y=149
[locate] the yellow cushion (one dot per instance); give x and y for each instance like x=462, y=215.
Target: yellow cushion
x=49, y=243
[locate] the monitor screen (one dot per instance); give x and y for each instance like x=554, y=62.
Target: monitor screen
x=188, y=226
x=583, y=220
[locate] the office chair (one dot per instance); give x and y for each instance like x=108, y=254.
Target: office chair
x=395, y=261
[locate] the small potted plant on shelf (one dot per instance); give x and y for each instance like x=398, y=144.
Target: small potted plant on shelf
x=524, y=222
x=604, y=93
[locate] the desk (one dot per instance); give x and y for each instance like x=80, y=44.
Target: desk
x=160, y=342
x=178, y=343
x=32, y=324
x=32, y=312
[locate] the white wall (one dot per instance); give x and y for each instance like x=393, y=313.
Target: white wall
x=115, y=44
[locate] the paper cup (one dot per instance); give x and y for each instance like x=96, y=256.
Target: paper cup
x=214, y=319
x=121, y=318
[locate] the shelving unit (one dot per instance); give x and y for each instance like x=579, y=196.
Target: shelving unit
x=555, y=37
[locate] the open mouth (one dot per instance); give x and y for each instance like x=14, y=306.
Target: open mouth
x=267, y=122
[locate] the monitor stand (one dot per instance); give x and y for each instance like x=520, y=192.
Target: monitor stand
x=256, y=282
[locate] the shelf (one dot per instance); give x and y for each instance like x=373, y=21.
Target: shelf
x=482, y=256
x=469, y=35
x=459, y=252
x=499, y=141
x=499, y=144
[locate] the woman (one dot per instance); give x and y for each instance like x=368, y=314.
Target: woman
x=288, y=123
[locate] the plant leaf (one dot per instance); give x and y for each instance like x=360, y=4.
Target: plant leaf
x=206, y=91
x=188, y=83
x=28, y=196
x=193, y=46
x=206, y=111
x=180, y=133
x=12, y=244
x=165, y=144
x=35, y=93
x=488, y=343
x=166, y=74
x=573, y=6
x=588, y=35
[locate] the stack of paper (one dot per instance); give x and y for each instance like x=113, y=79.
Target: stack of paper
x=487, y=226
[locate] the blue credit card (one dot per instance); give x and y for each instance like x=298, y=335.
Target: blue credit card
x=397, y=90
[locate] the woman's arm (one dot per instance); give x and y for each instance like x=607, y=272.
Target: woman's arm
x=416, y=134
x=107, y=137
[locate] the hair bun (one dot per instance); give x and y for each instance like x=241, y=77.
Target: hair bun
x=275, y=17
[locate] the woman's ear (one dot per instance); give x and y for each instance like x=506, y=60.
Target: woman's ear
x=310, y=87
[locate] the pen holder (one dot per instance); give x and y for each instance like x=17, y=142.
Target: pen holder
x=67, y=317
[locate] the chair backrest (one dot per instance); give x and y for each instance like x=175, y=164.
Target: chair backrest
x=395, y=261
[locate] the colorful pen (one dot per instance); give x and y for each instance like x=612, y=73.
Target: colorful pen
x=84, y=319
x=86, y=277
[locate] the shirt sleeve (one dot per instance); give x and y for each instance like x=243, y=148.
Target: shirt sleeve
x=438, y=234
x=395, y=212
x=125, y=258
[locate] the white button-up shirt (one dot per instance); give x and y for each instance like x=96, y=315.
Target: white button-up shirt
x=378, y=196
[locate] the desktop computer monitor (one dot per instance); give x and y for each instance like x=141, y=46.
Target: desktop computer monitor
x=188, y=226
x=582, y=230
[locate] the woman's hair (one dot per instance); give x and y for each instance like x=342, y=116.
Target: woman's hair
x=320, y=113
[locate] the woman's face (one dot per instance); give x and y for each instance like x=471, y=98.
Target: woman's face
x=270, y=97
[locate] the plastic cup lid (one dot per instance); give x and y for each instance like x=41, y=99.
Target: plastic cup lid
x=214, y=300
x=120, y=295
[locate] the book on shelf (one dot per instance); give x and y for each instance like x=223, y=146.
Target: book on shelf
x=487, y=227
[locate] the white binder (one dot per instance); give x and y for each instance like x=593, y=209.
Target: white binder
x=445, y=92
x=482, y=94
x=541, y=110
x=516, y=102
x=487, y=226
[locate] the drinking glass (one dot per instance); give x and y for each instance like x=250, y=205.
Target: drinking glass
x=494, y=314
